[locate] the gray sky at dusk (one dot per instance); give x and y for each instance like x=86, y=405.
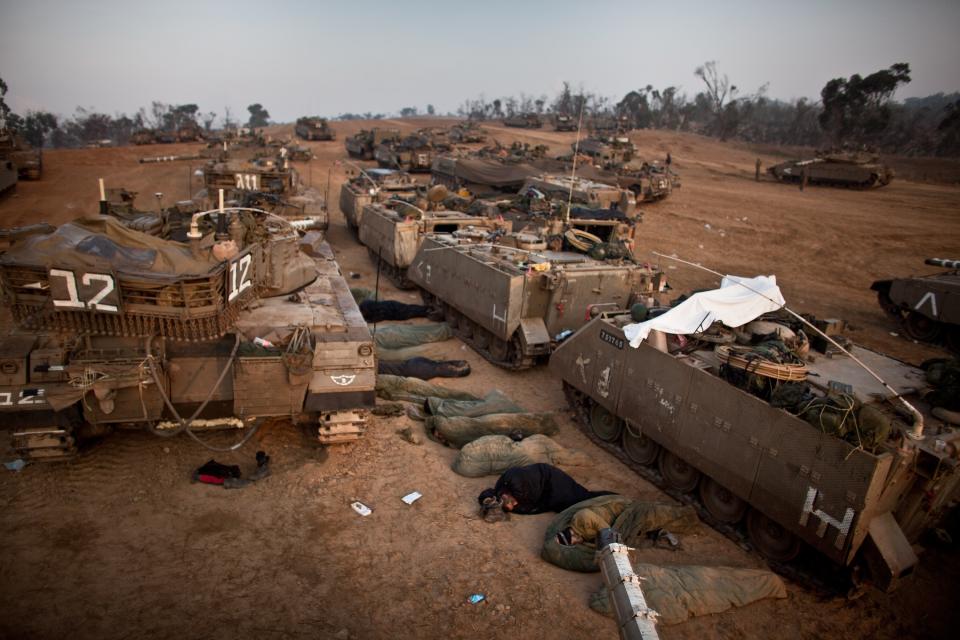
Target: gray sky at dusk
x=327, y=58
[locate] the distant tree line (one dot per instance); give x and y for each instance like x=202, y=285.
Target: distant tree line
x=856, y=112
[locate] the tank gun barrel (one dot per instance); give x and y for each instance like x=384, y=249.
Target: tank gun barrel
x=943, y=262
x=153, y=159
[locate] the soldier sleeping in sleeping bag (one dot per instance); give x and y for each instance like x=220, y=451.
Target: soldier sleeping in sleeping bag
x=535, y=488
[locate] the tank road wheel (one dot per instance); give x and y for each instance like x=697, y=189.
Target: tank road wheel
x=639, y=447
x=888, y=305
x=771, y=540
x=720, y=502
x=482, y=338
x=921, y=328
x=466, y=326
x=604, y=424
x=677, y=473
x=499, y=349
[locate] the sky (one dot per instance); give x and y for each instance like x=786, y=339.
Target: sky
x=326, y=58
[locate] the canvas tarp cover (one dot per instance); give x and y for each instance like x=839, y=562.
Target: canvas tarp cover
x=415, y=390
x=634, y=521
x=486, y=172
x=681, y=592
x=492, y=455
x=103, y=244
x=494, y=402
x=400, y=336
x=460, y=431
x=735, y=303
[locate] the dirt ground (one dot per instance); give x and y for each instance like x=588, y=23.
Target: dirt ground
x=119, y=543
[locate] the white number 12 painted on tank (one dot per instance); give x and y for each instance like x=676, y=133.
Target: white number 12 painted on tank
x=73, y=300
x=238, y=280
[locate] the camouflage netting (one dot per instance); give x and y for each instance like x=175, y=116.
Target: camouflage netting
x=494, y=402
x=632, y=519
x=492, y=455
x=103, y=244
x=678, y=593
x=459, y=431
x=399, y=336
x=414, y=390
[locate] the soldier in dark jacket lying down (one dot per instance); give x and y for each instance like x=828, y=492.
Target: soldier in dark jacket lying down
x=536, y=488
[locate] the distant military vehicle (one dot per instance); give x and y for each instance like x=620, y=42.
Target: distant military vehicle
x=608, y=154
x=189, y=132
x=165, y=137
x=927, y=307
x=267, y=183
x=362, y=144
x=27, y=160
x=116, y=327
x=296, y=152
x=523, y=121
x=393, y=232
x=852, y=170
x=648, y=182
x=609, y=124
x=467, y=132
x=594, y=195
x=8, y=176
x=314, y=128
x=143, y=136
x=841, y=473
x=564, y=122
x=413, y=154
x=514, y=304
x=480, y=175
x=373, y=185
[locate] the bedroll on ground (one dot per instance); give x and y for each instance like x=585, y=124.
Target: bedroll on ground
x=492, y=455
x=415, y=390
x=399, y=336
x=459, y=431
x=494, y=402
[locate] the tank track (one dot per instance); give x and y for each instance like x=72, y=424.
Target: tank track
x=396, y=275
x=525, y=362
x=818, y=579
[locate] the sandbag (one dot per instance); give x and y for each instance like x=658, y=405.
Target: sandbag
x=492, y=455
x=398, y=336
x=494, y=402
x=459, y=431
x=425, y=368
x=415, y=390
x=682, y=592
x=635, y=520
x=380, y=310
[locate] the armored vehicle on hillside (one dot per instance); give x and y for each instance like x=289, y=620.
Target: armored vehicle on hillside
x=852, y=170
x=373, y=185
x=607, y=154
x=468, y=132
x=523, y=121
x=362, y=144
x=594, y=195
x=927, y=307
x=189, y=132
x=514, y=304
x=143, y=136
x=480, y=175
x=26, y=160
x=244, y=320
x=314, y=128
x=413, y=154
x=769, y=432
x=564, y=122
x=394, y=231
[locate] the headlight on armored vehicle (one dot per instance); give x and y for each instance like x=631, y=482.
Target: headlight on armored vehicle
x=365, y=350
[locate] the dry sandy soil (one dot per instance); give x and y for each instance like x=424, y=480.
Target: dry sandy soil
x=119, y=543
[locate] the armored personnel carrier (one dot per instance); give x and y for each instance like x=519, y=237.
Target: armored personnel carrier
x=594, y=195
x=269, y=183
x=607, y=155
x=564, y=122
x=514, y=304
x=361, y=145
x=927, y=307
x=394, y=231
x=142, y=137
x=244, y=320
x=189, y=132
x=314, y=128
x=27, y=161
x=523, y=121
x=852, y=170
x=468, y=132
x=480, y=175
x=413, y=154
x=373, y=185
x=774, y=434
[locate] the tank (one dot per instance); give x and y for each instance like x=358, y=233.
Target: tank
x=514, y=304
x=564, y=122
x=8, y=176
x=189, y=132
x=393, y=234
x=361, y=145
x=523, y=121
x=468, y=132
x=680, y=414
x=926, y=307
x=373, y=185
x=851, y=170
x=269, y=183
x=413, y=154
x=607, y=154
x=26, y=160
x=594, y=195
x=314, y=128
x=142, y=137
x=245, y=320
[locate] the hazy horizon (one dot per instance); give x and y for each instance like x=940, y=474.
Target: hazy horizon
x=302, y=58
